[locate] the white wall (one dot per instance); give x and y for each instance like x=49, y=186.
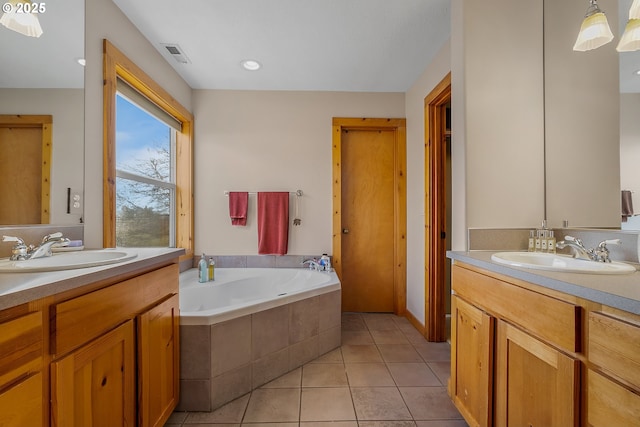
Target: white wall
x=414, y=106
x=105, y=21
x=67, y=160
x=271, y=141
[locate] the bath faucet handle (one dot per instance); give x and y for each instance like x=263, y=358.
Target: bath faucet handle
x=53, y=236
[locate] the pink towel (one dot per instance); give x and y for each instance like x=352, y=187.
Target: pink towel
x=238, y=202
x=273, y=223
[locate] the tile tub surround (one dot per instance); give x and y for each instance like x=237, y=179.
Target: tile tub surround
x=226, y=360
x=256, y=261
x=385, y=374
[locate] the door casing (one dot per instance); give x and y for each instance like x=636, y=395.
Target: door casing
x=398, y=126
x=435, y=204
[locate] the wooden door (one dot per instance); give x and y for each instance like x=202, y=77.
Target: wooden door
x=536, y=385
x=610, y=404
x=95, y=385
x=367, y=220
x=471, y=362
x=25, y=162
x=158, y=363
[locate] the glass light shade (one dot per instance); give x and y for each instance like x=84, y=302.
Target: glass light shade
x=634, y=11
x=594, y=33
x=630, y=40
x=23, y=23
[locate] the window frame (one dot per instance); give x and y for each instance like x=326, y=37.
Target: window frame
x=117, y=65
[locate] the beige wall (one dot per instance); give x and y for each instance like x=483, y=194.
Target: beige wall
x=271, y=141
x=497, y=67
x=105, y=21
x=67, y=163
x=414, y=106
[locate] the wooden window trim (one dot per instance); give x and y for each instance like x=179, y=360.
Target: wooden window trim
x=117, y=65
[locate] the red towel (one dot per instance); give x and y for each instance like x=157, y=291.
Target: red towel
x=273, y=223
x=238, y=202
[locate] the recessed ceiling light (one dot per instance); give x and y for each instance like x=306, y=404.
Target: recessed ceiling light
x=251, y=65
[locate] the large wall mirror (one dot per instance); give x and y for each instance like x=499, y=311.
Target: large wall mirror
x=629, y=123
x=43, y=77
x=586, y=163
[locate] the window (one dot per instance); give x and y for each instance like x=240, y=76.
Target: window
x=148, y=194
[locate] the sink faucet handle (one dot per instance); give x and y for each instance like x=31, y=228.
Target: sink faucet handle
x=13, y=239
x=604, y=243
x=53, y=236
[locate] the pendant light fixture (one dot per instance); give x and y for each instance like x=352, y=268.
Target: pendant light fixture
x=21, y=17
x=594, y=31
x=630, y=40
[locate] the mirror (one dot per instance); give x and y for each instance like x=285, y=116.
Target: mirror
x=629, y=122
x=41, y=76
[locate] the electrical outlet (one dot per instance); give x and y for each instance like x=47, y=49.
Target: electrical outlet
x=75, y=202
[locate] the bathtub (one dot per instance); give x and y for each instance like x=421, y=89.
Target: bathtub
x=237, y=292
x=251, y=326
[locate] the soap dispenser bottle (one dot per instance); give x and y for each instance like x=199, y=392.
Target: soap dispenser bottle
x=212, y=269
x=203, y=273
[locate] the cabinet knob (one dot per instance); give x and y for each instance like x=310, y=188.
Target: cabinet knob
x=345, y=231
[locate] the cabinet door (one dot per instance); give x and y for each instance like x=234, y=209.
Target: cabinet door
x=158, y=362
x=471, y=361
x=21, y=404
x=536, y=385
x=95, y=385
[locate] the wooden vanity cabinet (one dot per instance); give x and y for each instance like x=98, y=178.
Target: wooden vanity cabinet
x=119, y=353
x=107, y=354
x=512, y=350
x=558, y=360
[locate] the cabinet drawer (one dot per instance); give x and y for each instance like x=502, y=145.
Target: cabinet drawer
x=83, y=318
x=551, y=319
x=614, y=345
x=21, y=347
x=609, y=404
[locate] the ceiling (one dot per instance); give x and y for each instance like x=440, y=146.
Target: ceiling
x=315, y=45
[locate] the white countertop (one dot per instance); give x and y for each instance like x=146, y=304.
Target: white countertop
x=621, y=291
x=19, y=288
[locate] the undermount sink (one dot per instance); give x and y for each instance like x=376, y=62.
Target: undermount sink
x=67, y=261
x=558, y=262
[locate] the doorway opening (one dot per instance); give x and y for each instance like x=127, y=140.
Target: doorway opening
x=437, y=122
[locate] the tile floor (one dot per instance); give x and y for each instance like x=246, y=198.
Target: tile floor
x=385, y=374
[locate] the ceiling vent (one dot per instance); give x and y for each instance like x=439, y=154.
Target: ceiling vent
x=176, y=52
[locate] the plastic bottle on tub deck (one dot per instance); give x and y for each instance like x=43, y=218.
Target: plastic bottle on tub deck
x=325, y=262
x=203, y=271
x=211, y=269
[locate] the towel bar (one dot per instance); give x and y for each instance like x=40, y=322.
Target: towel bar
x=296, y=193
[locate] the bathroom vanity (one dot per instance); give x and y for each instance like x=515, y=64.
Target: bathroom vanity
x=543, y=348
x=92, y=346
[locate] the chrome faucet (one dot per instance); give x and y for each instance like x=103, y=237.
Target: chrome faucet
x=313, y=264
x=599, y=254
x=21, y=251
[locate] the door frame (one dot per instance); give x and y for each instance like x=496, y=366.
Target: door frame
x=435, y=203
x=45, y=123
x=398, y=126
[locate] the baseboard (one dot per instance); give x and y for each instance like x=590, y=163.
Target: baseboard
x=415, y=322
